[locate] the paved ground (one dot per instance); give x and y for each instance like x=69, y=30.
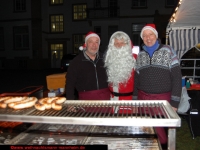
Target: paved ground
x=14, y=80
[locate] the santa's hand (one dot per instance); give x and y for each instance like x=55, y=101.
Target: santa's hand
x=135, y=50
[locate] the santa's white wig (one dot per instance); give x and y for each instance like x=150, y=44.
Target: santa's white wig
x=119, y=62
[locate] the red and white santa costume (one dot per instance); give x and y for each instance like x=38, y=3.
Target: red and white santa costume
x=120, y=63
x=123, y=91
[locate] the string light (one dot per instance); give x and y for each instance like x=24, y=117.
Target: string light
x=174, y=14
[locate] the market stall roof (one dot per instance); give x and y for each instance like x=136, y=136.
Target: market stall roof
x=184, y=26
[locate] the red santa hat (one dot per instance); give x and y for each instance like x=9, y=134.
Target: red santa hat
x=151, y=27
x=88, y=35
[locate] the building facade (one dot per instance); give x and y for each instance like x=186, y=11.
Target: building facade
x=35, y=34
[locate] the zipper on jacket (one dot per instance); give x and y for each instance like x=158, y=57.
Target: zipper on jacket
x=95, y=67
x=96, y=76
x=153, y=52
x=95, y=71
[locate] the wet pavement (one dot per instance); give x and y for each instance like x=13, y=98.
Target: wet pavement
x=14, y=80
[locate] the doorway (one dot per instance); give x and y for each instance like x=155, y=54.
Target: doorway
x=56, y=55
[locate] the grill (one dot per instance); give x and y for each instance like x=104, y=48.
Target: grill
x=9, y=130
x=115, y=137
x=138, y=113
x=112, y=113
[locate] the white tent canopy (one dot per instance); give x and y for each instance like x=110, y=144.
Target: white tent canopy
x=184, y=33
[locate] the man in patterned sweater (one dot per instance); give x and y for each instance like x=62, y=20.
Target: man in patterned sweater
x=158, y=74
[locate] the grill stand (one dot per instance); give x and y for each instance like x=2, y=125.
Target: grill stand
x=165, y=115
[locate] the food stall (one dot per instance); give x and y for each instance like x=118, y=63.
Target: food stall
x=183, y=29
x=93, y=122
x=182, y=33
x=78, y=122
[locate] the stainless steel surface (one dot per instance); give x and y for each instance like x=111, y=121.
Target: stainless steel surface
x=83, y=129
x=171, y=138
x=9, y=111
x=9, y=130
x=61, y=128
x=155, y=113
x=125, y=143
x=42, y=134
x=123, y=130
x=47, y=139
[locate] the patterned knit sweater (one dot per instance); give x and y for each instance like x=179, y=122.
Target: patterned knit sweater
x=159, y=74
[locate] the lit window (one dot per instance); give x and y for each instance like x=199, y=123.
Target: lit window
x=139, y=3
x=57, y=49
x=78, y=41
x=57, y=24
x=79, y=12
x=56, y=2
x=21, y=37
x=19, y=5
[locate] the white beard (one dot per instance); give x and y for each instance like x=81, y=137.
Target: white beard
x=119, y=63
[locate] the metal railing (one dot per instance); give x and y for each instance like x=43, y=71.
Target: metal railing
x=190, y=68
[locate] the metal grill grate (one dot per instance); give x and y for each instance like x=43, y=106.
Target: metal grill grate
x=104, y=110
x=102, y=113
x=9, y=111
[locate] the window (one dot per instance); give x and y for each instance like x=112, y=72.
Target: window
x=56, y=2
x=97, y=30
x=21, y=38
x=139, y=3
x=57, y=24
x=1, y=39
x=136, y=29
x=79, y=12
x=136, y=38
x=97, y=3
x=113, y=8
x=57, y=49
x=19, y=5
x=170, y=3
x=78, y=41
x=190, y=64
x=111, y=30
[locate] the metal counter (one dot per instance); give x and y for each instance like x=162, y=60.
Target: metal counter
x=116, y=137
x=133, y=113
x=140, y=113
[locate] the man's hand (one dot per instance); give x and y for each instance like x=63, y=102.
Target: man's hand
x=175, y=109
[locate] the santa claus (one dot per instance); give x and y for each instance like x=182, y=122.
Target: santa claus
x=120, y=60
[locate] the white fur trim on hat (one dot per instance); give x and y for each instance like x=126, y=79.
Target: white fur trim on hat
x=150, y=28
x=88, y=35
x=91, y=35
x=83, y=47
